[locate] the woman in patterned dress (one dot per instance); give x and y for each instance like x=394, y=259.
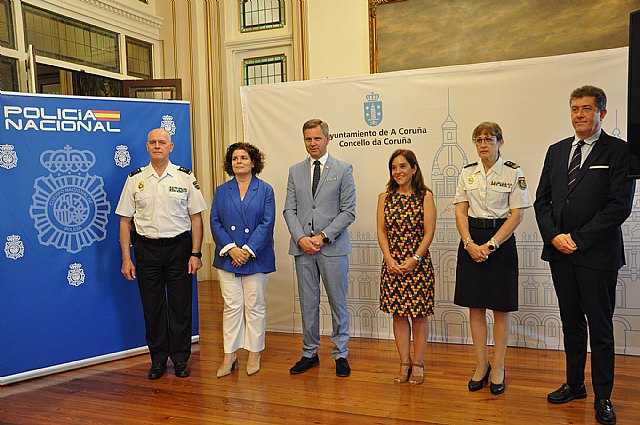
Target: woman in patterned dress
x=406, y=224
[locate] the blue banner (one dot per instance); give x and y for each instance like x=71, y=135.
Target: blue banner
x=63, y=163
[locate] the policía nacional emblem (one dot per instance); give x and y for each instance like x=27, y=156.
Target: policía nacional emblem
x=13, y=248
x=122, y=157
x=522, y=183
x=8, y=157
x=168, y=125
x=373, y=109
x=70, y=209
x=75, y=275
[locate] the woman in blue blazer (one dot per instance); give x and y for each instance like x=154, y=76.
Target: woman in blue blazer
x=242, y=219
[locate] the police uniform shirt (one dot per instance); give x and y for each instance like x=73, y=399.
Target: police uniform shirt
x=493, y=194
x=161, y=206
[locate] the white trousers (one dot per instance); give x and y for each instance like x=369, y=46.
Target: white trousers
x=244, y=318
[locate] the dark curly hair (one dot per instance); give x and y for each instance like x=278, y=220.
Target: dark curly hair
x=254, y=153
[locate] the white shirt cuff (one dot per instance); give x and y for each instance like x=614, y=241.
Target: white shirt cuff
x=245, y=246
x=227, y=248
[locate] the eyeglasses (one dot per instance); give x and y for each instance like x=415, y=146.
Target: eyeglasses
x=486, y=140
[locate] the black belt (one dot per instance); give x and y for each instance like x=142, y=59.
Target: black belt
x=486, y=223
x=163, y=241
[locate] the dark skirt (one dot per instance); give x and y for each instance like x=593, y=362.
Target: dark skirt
x=492, y=284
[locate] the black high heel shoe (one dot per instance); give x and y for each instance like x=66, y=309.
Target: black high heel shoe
x=478, y=385
x=498, y=388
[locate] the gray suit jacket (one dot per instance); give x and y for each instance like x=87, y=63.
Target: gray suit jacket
x=331, y=211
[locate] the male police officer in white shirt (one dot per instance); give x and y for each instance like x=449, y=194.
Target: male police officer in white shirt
x=164, y=202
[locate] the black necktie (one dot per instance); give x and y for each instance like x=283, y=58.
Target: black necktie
x=574, y=165
x=316, y=177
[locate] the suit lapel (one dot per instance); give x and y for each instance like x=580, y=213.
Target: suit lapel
x=234, y=194
x=251, y=192
x=565, y=152
x=306, y=176
x=595, y=153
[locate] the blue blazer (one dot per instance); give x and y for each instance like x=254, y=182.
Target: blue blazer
x=592, y=210
x=249, y=221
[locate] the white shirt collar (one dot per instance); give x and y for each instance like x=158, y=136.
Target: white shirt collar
x=322, y=159
x=589, y=140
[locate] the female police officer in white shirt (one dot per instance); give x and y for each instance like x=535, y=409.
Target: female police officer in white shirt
x=490, y=198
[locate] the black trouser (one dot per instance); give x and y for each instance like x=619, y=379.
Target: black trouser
x=587, y=297
x=166, y=289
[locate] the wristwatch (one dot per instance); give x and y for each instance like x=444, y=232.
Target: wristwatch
x=196, y=254
x=492, y=244
x=325, y=238
x=417, y=258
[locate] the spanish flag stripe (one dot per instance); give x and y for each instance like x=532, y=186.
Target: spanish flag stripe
x=107, y=115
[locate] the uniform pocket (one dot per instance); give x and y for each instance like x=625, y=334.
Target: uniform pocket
x=178, y=203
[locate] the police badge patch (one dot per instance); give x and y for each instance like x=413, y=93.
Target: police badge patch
x=168, y=125
x=69, y=207
x=122, y=157
x=522, y=184
x=8, y=157
x=13, y=248
x=75, y=275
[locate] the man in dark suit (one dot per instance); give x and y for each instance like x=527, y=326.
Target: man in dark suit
x=320, y=206
x=583, y=197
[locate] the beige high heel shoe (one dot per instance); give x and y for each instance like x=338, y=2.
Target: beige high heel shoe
x=253, y=363
x=402, y=378
x=417, y=379
x=225, y=369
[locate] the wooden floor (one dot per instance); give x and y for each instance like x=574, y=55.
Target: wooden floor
x=120, y=393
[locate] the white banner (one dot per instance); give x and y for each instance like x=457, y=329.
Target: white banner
x=433, y=112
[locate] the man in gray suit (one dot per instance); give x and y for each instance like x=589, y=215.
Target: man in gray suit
x=320, y=206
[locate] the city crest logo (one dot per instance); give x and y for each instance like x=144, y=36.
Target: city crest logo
x=69, y=207
x=373, y=109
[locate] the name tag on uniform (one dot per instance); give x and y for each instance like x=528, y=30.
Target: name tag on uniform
x=598, y=166
x=331, y=179
x=177, y=189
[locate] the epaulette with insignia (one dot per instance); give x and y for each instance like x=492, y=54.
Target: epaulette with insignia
x=184, y=170
x=470, y=165
x=134, y=172
x=511, y=164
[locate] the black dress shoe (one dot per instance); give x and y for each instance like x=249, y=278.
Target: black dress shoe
x=182, y=369
x=604, y=411
x=497, y=389
x=567, y=393
x=342, y=367
x=478, y=385
x=304, y=364
x=156, y=371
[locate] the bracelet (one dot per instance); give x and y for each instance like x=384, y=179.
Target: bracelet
x=417, y=258
x=466, y=242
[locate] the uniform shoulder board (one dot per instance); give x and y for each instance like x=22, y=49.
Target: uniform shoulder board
x=511, y=164
x=134, y=172
x=184, y=170
x=470, y=165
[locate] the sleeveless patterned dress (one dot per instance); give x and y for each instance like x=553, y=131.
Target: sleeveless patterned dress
x=411, y=294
